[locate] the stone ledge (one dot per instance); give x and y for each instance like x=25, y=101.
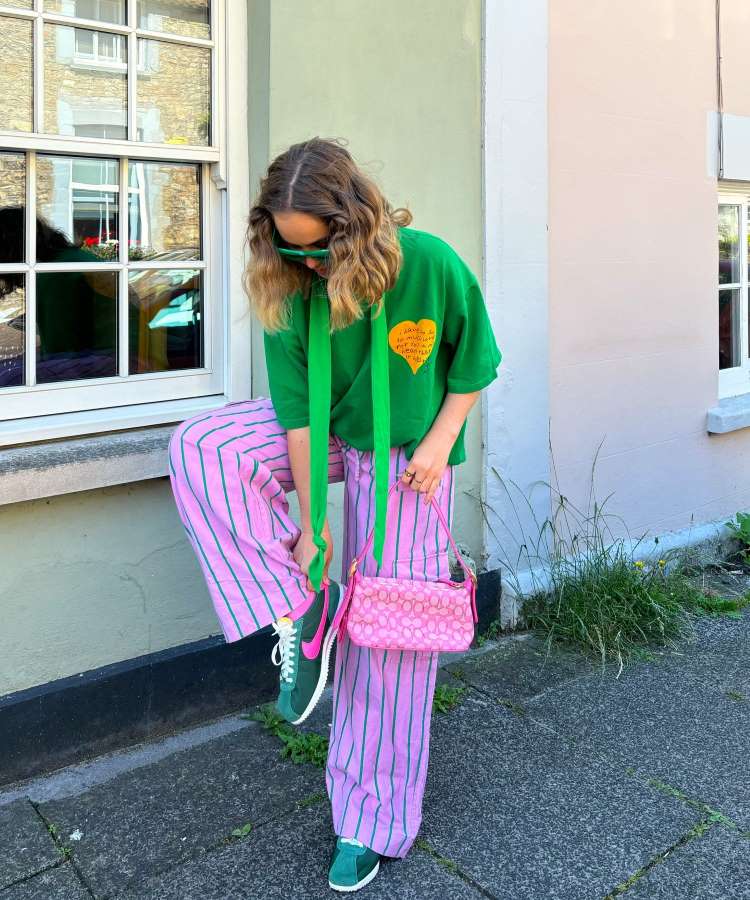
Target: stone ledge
x=60, y=467
x=731, y=414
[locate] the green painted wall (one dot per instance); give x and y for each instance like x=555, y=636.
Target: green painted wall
x=101, y=576
x=95, y=577
x=401, y=82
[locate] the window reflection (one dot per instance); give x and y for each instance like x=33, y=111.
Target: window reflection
x=76, y=312
x=185, y=17
x=80, y=196
x=85, y=81
x=98, y=10
x=729, y=332
x=12, y=196
x=165, y=311
x=729, y=244
x=173, y=96
x=16, y=74
x=76, y=315
x=163, y=211
x=12, y=329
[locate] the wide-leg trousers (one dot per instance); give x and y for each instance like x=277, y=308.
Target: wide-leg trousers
x=230, y=474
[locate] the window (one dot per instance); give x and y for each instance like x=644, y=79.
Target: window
x=734, y=285
x=110, y=222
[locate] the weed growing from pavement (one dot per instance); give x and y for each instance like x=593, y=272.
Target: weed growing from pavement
x=584, y=583
x=741, y=529
x=710, y=603
x=311, y=800
x=298, y=746
x=447, y=697
x=613, y=606
x=426, y=847
x=492, y=633
x=736, y=695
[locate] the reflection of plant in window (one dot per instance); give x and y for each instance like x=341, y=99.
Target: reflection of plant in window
x=108, y=250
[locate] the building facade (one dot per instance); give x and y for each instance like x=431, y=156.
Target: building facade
x=584, y=159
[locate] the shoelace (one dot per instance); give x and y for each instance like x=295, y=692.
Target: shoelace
x=283, y=651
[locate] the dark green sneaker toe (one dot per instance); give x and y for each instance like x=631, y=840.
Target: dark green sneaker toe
x=353, y=865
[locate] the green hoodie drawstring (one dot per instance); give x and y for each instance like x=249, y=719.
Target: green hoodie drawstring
x=319, y=400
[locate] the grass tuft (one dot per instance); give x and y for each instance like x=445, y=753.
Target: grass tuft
x=614, y=607
x=447, y=697
x=585, y=584
x=493, y=632
x=299, y=747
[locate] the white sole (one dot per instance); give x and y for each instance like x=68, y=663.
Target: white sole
x=360, y=884
x=325, y=651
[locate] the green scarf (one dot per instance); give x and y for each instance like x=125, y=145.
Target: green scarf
x=319, y=398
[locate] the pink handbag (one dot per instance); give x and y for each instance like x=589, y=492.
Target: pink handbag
x=408, y=614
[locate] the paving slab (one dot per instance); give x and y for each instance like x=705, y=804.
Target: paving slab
x=528, y=815
x=58, y=883
x=26, y=845
x=156, y=815
x=716, y=632
x=675, y=720
x=724, y=668
x=289, y=858
x=713, y=867
x=520, y=667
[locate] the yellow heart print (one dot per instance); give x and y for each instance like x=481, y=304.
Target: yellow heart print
x=413, y=340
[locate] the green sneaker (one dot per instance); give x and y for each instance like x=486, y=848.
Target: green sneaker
x=303, y=652
x=353, y=865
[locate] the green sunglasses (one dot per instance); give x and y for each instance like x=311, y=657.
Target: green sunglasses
x=299, y=254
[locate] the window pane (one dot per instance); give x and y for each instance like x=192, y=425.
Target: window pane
x=164, y=211
x=173, y=96
x=12, y=329
x=15, y=74
x=78, y=198
x=729, y=244
x=729, y=330
x=100, y=10
x=12, y=207
x=76, y=324
x=18, y=4
x=83, y=86
x=188, y=17
x=164, y=320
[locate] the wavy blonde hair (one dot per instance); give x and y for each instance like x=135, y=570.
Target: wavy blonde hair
x=320, y=177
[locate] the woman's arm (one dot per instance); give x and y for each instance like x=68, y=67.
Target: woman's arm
x=304, y=551
x=430, y=458
x=298, y=442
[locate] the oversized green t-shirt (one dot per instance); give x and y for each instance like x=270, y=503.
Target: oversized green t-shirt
x=439, y=340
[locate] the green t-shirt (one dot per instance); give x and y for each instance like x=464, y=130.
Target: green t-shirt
x=440, y=340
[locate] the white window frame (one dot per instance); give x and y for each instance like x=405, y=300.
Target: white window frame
x=736, y=380
x=73, y=408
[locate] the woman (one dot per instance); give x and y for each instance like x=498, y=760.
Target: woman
x=377, y=345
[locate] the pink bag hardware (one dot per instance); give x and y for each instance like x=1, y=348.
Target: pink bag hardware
x=409, y=614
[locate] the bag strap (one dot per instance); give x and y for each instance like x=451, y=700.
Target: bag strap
x=358, y=559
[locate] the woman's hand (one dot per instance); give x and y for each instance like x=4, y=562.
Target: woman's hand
x=428, y=463
x=304, y=552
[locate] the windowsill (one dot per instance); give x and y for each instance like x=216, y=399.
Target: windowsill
x=731, y=414
x=119, y=447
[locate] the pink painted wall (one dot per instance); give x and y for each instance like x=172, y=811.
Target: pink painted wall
x=633, y=308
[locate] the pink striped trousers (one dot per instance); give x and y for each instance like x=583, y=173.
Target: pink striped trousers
x=230, y=475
